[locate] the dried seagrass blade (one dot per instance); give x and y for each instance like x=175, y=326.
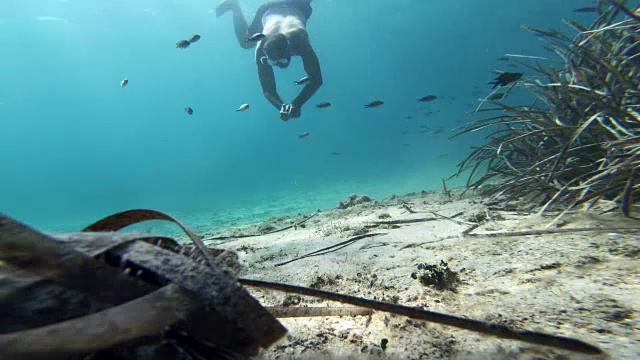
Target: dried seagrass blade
x=291, y=312
x=126, y=218
x=95, y=243
x=123, y=219
x=22, y=295
x=34, y=252
x=500, y=331
x=246, y=319
x=147, y=316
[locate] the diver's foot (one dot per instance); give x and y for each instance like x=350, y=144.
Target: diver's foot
x=225, y=6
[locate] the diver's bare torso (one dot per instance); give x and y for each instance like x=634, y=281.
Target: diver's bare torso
x=289, y=25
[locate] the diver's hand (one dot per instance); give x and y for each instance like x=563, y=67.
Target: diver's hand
x=285, y=109
x=225, y=6
x=289, y=111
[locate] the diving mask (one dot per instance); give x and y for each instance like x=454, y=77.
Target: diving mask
x=279, y=62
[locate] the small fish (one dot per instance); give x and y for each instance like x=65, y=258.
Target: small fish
x=443, y=155
x=324, y=104
x=585, y=10
x=506, y=78
x=335, y=153
x=408, y=117
x=183, y=44
x=374, y=104
x=303, y=135
x=194, y=38
x=188, y=110
x=124, y=82
x=497, y=96
x=242, y=107
x=503, y=58
x=427, y=98
x=427, y=113
x=256, y=37
x=513, y=66
x=302, y=81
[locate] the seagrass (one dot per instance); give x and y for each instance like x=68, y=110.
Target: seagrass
x=579, y=141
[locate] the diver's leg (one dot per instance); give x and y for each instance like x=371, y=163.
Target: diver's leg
x=239, y=23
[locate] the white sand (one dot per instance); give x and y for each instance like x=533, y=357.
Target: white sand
x=581, y=285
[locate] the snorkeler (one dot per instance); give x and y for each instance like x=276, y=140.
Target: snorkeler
x=279, y=30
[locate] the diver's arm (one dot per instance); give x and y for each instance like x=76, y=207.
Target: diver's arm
x=268, y=81
x=312, y=67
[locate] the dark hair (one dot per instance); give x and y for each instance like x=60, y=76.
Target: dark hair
x=276, y=47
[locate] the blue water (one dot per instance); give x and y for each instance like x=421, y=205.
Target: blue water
x=75, y=146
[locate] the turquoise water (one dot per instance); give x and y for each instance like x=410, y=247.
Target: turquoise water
x=75, y=146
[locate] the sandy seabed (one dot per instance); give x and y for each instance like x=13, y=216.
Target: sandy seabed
x=583, y=285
